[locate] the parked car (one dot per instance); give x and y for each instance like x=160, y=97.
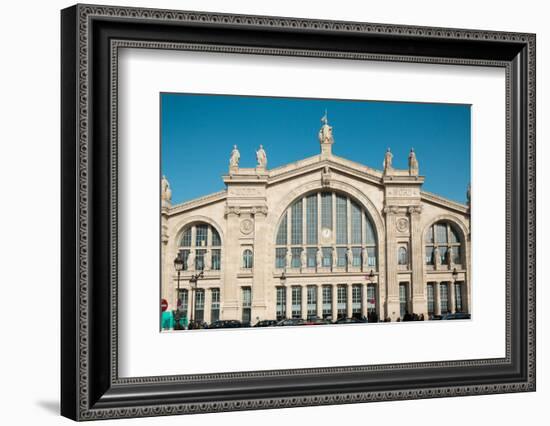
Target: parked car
x=266, y=323
x=226, y=324
x=435, y=317
x=456, y=316
x=318, y=321
x=352, y=320
x=197, y=325
x=291, y=322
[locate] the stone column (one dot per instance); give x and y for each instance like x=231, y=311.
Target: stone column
x=418, y=287
x=392, y=295
x=304, y=302
x=320, y=301
x=350, y=300
x=261, y=257
x=288, y=301
x=207, y=305
x=437, y=298
x=230, y=264
x=334, y=302
x=452, y=301
x=364, y=299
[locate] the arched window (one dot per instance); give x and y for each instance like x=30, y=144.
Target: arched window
x=248, y=259
x=326, y=230
x=200, y=247
x=443, y=238
x=402, y=256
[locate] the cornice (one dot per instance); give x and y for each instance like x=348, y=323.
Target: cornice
x=444, y=202
x=198, y=202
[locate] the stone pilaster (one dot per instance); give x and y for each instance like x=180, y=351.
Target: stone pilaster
x=304, y=302
x=320, y=301
x=418, y=293
x=230, y=266
x=392, y=286
x=288, y=301
x=350, y=300
x=334, y=302
x=261, y=258
x=452, y=301
x=437, y=298
x=207, y=305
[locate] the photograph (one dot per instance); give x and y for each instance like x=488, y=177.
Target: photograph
x=299, y=211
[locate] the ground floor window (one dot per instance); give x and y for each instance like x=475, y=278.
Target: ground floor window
x=403, y=298
x=356, y=300
x=327, y=301
x=183, y=301
x=458, y=297
x=215, y=307
x=199, y=304
x=311, y=301
x=296, y=302
x=281, y=303
x=247, y=303
x=342, y=294
x=444, y=297
x=371, y=303
x=431, y=298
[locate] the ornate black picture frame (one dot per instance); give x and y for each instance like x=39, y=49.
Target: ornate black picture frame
x=91, y=388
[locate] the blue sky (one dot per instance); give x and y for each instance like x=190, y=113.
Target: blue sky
x=198, y=133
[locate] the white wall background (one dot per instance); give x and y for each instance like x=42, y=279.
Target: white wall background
x=29, y=216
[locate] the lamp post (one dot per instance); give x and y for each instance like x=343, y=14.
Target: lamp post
x=455, y=276
x=178, y=266
x=370, y=277
x=282, y=278
x=194, y=280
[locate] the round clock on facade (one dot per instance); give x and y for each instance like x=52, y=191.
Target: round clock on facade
x=326, y=233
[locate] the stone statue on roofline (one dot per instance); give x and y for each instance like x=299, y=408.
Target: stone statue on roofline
x=413, y=163
x=388, y=158
x=165, y=192
x=234, y=158
x=261, y=157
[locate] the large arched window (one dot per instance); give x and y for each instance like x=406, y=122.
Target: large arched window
x=200, y=247
x=325, y=230
x=443, y=238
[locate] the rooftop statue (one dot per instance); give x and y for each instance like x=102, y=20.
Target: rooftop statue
x=413, y=163
x=166, y=192
x=325, y=134
x=261, y=157
x=234, y=158
x=388, y=161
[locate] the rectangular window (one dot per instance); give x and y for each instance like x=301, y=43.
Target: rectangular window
x=281, y=303
x=183, y=301
x=429, y=255
x=356, y=223
x=371, y=253
x=311, y=257
x=186, y=238
x=216, y=241
x=296, y=252
x=431, y=300
x=443, y=254
x=342, y=300
x=356, y=256
x=296, y=223
x=199, y=304
x=440, y=233
x=183, y=255
x=430, y=235
x=458, y=296
x=326, y=210
x=327, y=301
x=371, y=301
x=280, y=258
x=311, y=218
x=296, y=302
x=371, y=239
x=215, y=307
x=216, y=259
x=247, y=304
x=444, y=297
x=199, y=259
x=202, y=235
x=341, y=220
x=327, y=257
x=341, y=252
x=457, y=256
x=282, y=232
x=311, y=301
x=356, y=300
x=403, y=298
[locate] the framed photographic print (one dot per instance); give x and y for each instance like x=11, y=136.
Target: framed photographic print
x=263, y=212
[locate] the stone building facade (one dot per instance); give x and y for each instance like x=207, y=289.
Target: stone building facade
x=320, y=237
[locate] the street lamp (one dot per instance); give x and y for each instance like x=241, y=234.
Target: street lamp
x=370, y=276
x=455, y=274
x=194, y=280
x=178, y=266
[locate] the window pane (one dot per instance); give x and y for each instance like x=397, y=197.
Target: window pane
x=444, y=297
x=296, y=302
x=327, y=301
x=216, y=259
x=281, y=303
x=371, y=252
x=458, y=296
x=402, y=256
x=247, y=259
x=430, y=235
x=199, y=304
x=282, y=233
x=457, y=255
x=186, y=238
x=356, y=256
x=311, y=301
x=453, y=235
x=371, y=238
x=341, y=252
x=183, y=301
x=371, y=300
x=430, y=295
x=280, y=257
x=312, y=257
x=199, y=259
x=296, y=252
x=429, y=255
x=342, y=301
x=440, y=233
x=357, y=299
x=202, y=234
x=356, y=226
x=326, y=210
x=341, y=220
x=216, y=240
x=183, y=255
x=403, y=296
x=215, y=307
x=296, y=228
x=327, y=257
x=311, y=216
x=443, y=254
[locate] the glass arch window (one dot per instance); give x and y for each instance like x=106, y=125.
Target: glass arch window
x=248, y=259
x=444, y=236
x=205, y=244
x=317, y=230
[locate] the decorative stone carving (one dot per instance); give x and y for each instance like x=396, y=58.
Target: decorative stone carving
x=164, y=235
x=388, y=158
x=236, y=210
x=261, y=157
x=415, y=210
x=319, y=257
x=207, y=260
x=402, y=224
x=450, y=257
x=437, y=257
x=165, y=191
x=247, y=226
x=349, y=257
x=259, y=210
x=391, y=209
x=191, y=260
x=413, y=163
x=325, y=133
x=326, y=176
x=334, y=258
x=288, y=258
x=303, y=258
x=234, y=158
x=364, y=258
